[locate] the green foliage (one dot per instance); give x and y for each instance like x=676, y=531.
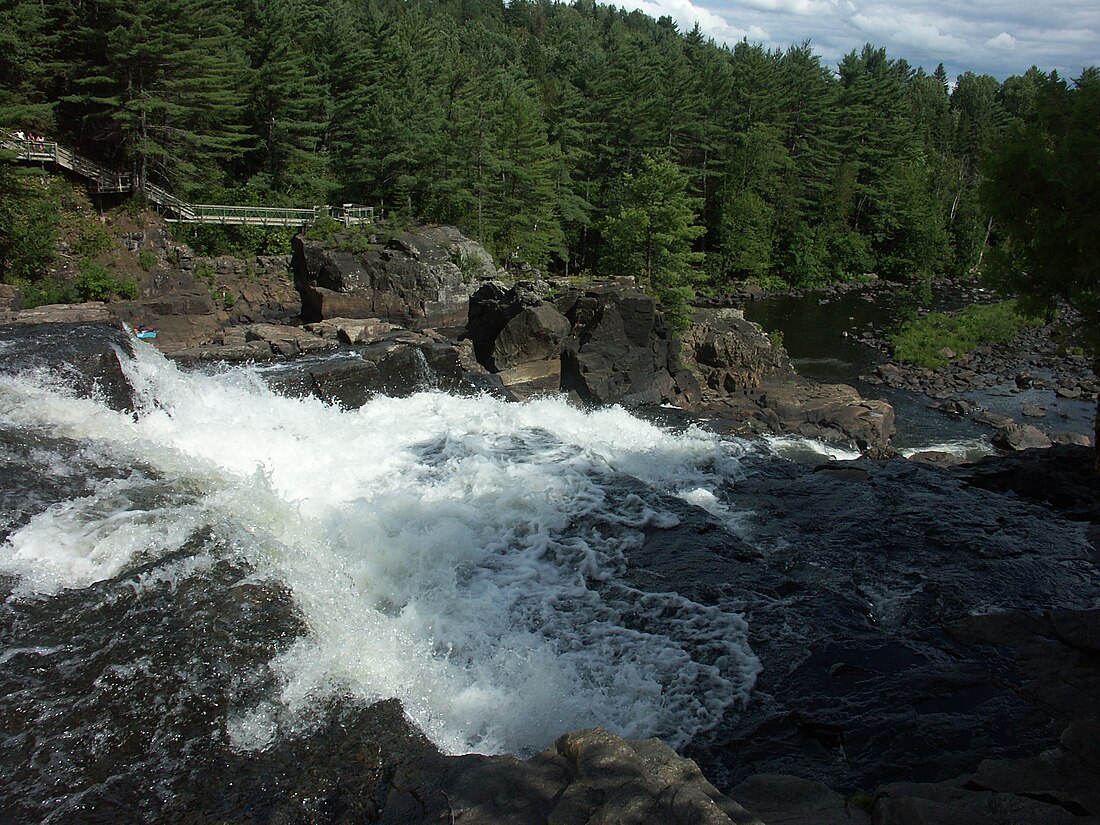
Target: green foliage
x=147, y=260
x=29, y=218
x=93, y=239
x=96, y=282
x=324, y=228
x=468, y=264
x=1041, y=194
x=43, y=291
x=650, y=236
x=923, y=341
x=205, y=272
x=212, y=240
x=518, y=123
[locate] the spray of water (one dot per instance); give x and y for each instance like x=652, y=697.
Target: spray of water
x=462, y=554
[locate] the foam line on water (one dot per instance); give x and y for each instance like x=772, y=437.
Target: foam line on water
x=462, y=554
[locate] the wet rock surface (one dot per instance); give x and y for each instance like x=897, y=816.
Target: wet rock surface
x=879, y=562
x=913, y=623
x=80, y=344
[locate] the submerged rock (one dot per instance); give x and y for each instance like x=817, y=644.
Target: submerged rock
x=81, y=344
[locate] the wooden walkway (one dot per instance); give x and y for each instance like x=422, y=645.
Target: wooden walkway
x=104, y=180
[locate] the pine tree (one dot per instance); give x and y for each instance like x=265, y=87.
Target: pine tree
x=288, y=107
x=650, y=235
x=157, y=79
x=523, y=204
x=1040, y=188
x=23, y=71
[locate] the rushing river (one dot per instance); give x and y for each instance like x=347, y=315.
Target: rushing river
x=462, y=554
x=219, y=571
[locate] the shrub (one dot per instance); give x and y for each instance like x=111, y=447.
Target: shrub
x=324, y=228
x=96, y=282
x=93, y=239
x=923, y=341
x=147, y=260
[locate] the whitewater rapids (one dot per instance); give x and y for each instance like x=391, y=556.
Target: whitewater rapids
x=462, y=554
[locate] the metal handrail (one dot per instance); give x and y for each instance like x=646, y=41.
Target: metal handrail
x=108, y=180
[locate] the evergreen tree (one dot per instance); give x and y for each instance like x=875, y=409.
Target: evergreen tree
x=157, y=78
x=650, y=235
x=288, y=109
x=1041, y=184
x=23, y=70
x=523, y=207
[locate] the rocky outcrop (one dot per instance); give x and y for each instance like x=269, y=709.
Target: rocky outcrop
x=750, y=386
x=256, y=342
x=517, y=334
x=621, y=350
x=732, y=354
x=420, y=278
x=80, y=343
x=588, y=776
x=607, y=343
x=1058, y=654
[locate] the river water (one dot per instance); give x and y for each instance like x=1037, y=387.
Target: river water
x=217, y=572
x=821, y=334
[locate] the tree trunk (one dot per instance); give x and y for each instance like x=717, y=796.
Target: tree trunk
x=1096, y=425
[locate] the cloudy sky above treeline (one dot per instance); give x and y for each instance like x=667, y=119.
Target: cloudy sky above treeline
x=997, y=37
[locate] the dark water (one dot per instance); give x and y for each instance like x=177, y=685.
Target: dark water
x=205, y=602
x=822, y=336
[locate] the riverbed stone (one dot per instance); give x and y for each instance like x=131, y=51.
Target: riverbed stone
x=1021, y=437
x=779, y=799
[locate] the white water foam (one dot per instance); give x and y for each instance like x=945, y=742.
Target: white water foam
x=968, y=449
x=796, y=447
x=461, y=554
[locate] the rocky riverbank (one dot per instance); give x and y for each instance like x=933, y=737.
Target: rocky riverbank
x=928, y=639
x=428, y=300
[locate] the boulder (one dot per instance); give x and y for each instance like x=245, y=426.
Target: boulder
x=586, y=777
x=831, y=412
x=388, y=368
x=730, y=353
x=82, y=343
x=11, y=298
x=1021, y=437
x=622, y=350
x=492, y=306
x=353, y=330
x=420, y=278
x=535, y=334
x=255, y=342
x=937, y=458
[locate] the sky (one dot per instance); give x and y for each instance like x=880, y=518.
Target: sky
x=996, y=37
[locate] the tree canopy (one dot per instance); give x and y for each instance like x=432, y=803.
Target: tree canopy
x=1042, y=192
x=526, y=124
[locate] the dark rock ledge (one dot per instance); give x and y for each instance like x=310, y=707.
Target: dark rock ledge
x=591, y=776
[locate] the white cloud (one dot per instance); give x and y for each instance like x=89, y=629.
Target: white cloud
x=1004, y=41
x=687, y=14
x=998, y=37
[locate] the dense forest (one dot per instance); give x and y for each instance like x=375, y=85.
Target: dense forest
x=574, y=137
